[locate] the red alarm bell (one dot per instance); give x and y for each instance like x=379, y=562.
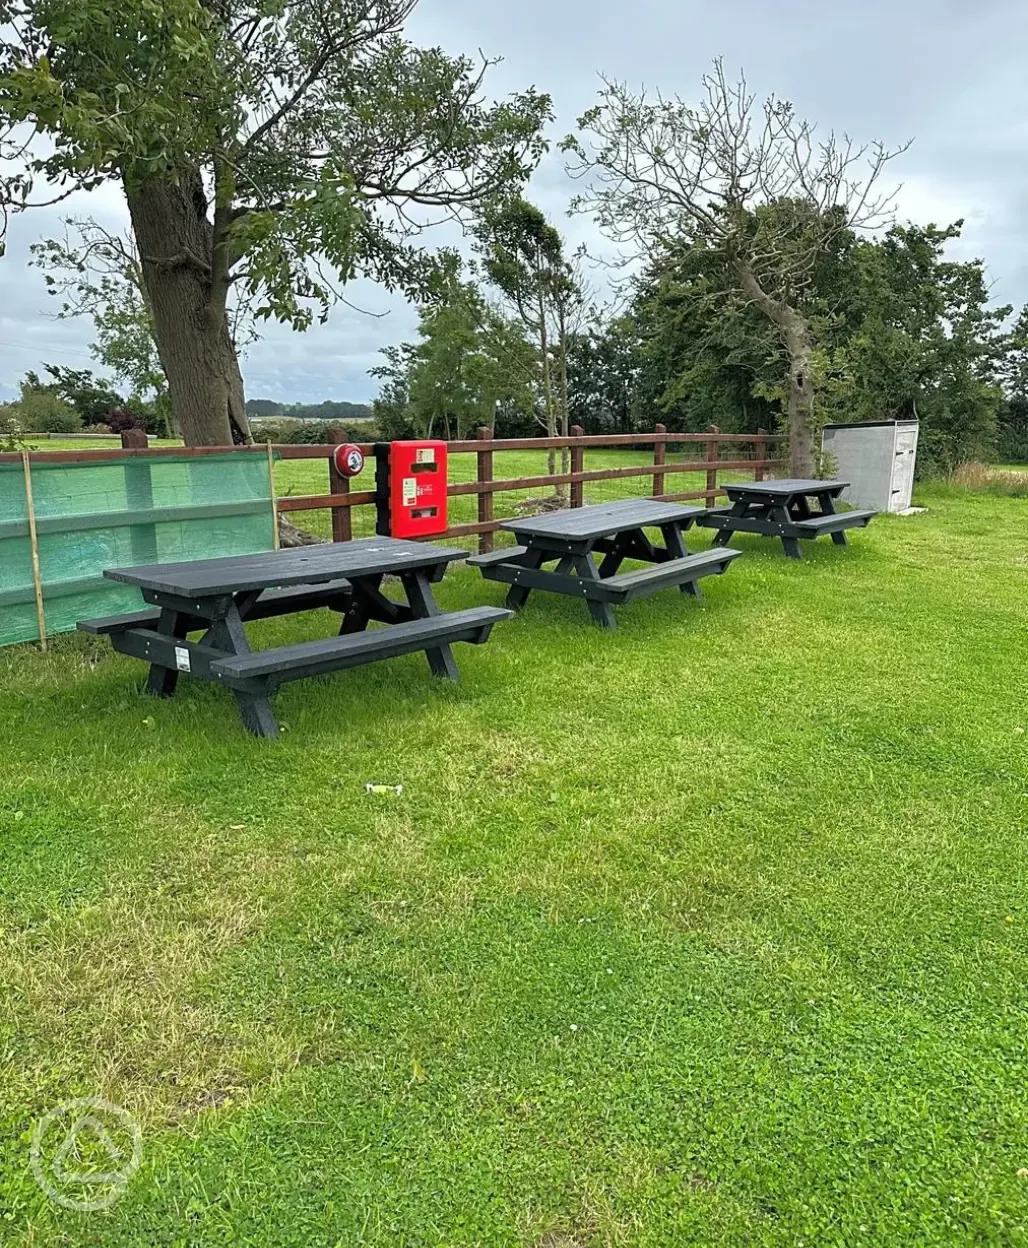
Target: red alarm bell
x=348, y=459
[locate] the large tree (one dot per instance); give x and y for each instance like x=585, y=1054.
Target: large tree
x=523, y=256
x=468, y=365
x=285, y=145
x=658, y=167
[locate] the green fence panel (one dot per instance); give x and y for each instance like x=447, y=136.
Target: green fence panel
x=115, y=513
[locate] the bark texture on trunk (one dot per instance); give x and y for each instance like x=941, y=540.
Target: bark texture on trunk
x=175, y=240
x=799, y=387
x=801, y=400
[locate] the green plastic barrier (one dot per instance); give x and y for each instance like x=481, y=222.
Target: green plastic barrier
x=116, y=513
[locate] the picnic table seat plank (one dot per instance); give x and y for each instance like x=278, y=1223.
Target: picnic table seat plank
x=840, y=520
x=505, y=554
x=683, y=572
x=312, y=658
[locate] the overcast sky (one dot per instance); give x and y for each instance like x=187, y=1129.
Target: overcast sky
x=948, y=73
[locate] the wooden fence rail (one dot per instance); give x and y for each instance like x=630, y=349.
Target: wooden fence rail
x=341, y=497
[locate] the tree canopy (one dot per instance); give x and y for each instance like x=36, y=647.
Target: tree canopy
x=286, y=146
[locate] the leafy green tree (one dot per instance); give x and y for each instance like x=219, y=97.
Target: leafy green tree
x=1012, y=437
x=98, y=274
x=522, y=255
x=91, y=398
x=901, y=331
x=263, y=407
x=468, y=364
x=41, y=410
x=391, y=409
x=284, y=146
x=605, y=367
x=928, y=344
x=659, y=167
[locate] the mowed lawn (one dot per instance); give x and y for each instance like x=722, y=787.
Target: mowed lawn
x=710, y=930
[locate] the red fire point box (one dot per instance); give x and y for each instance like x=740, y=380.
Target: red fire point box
x=411, y=487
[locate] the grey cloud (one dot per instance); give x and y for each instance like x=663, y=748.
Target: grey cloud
x=945, y=72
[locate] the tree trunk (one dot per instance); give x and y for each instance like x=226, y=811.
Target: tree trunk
x=800, y=382
x=800, y=390
x=551, y=418
x=565, y=422
x=194, y=342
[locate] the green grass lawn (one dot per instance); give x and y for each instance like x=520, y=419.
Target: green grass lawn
x=711, y=930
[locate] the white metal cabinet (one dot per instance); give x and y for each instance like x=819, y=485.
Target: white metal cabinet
x=877, y=458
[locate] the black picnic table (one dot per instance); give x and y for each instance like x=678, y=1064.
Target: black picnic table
x=617, y=531
x=218, y=596
x=782, y=509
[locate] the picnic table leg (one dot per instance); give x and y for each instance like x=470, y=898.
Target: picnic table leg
x=792, y=547
x=162, y=681
x=517, y=595
x=227, y=633
x=612, y=560
x=676, y=548
x=423, y=605
x=369, y=603
x=722, y=537
x=602, y=613
x=827, y=501
x=257, y=715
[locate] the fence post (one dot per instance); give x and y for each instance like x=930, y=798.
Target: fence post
x=342, y=523
x=659, y=457
x=485, y=473
x=713, y=447
x=37, y=580
x=139, y=496
x=577, y=465
x=758, y=471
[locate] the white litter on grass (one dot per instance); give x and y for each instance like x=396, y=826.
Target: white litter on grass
x=912, y=511
x=384, y=788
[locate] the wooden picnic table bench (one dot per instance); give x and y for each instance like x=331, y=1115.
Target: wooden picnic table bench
x=782, y=509
x=218, y=596
x=617, y=531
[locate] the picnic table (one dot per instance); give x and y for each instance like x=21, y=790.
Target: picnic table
x=782, y=509
x=218, y=596
x=617, y=531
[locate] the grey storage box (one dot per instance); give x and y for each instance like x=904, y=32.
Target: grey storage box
x=877, y=458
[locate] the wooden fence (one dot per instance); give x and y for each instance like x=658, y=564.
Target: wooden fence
x=717, y=453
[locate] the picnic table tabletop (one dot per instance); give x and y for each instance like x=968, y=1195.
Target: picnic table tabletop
x=601, y=519
x=787, y=488
x=301, y=565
